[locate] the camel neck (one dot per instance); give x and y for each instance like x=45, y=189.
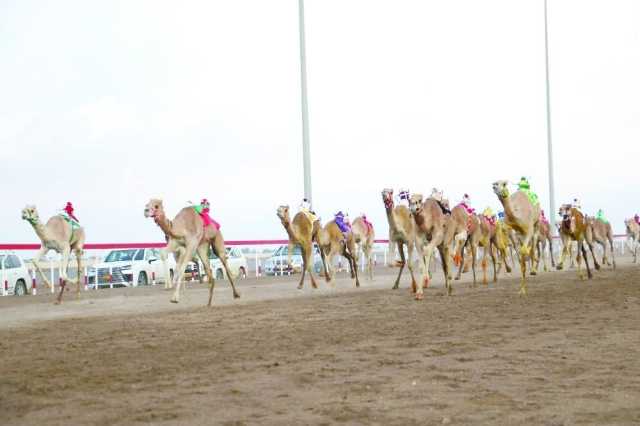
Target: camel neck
x=163, y=223
x=391, y=217
x=287, y=227
x=40, y=230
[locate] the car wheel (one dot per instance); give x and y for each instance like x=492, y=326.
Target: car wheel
x=243, y=273
x=219, y=274
x=20, y=288
x=142, y=279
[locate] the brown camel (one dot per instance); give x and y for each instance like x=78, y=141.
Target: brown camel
x=333, y=242
x=573, y=228
x=481, y=234
x=364, y=236
x=600, y=232
x=302, y=232
x=430, y=229
x=544, y=238
x=633, y=237
x=186, y=235
x=523, y=217
x=402, y=233
x=58, y=235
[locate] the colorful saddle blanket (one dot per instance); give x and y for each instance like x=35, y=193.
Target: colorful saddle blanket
x=469, y=210
x=533, y=197
x=206, y=219
x=368, y=224
x=74, y=224
x=342, y=225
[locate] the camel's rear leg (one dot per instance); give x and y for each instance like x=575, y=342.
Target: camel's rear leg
x=80, y=273
x=203, y=254
x=403, y=263
x=219, y=250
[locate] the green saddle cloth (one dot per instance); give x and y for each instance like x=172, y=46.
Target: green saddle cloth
x=74, y=225
x=533, y=197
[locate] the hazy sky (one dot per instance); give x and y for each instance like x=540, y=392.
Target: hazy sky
x=107, y=104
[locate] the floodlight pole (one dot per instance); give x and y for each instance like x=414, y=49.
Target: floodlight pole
x=552, y=198
x=306, y=154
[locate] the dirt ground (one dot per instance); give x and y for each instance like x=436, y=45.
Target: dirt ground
x=568, y=354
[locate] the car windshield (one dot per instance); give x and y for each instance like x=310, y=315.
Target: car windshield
x=2, y=256
x=120, y=255
x=284, y=250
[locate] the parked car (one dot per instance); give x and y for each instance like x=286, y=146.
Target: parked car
x=277, y=263
x=236, y=262
x=13, y=269
x=129, y=268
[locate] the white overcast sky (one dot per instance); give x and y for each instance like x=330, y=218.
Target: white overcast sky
x=107, y=104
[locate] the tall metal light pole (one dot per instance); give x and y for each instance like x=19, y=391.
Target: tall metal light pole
x=552, y=197
x=306, y=154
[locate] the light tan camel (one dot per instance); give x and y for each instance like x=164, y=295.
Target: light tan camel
x=430, y=226
x=601, y=233
x=573, y=228
x=633, y=237
x=458, y=231
x=523, y=218
x=544, y=238
x=187, y=235
x=503, y=245
x=333, y=242
x=402, y=233
x=364, y=236
x=302, y=232
x=58, y=235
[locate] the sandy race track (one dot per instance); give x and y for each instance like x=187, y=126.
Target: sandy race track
x=567, y=354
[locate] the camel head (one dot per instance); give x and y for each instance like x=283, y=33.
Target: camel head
x=30, y=214
x=565, y=212
x=501, y=189
x=154, y=208
x=387, y=198
x=415, y=203
x=283, y=214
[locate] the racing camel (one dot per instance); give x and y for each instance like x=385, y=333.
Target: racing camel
x=187, y=235
x=62, y=236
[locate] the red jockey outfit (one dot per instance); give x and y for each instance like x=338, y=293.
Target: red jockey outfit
x=69, y=211
x=203, y=211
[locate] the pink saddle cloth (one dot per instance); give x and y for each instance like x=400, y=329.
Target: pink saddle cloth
x=207, y=219
x=469, y=210
x=368, y=224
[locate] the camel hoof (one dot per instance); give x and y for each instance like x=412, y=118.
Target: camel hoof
x=419, y=296
x=174, y=300
x=395, y=286
x=533, y=273
x=597, y=267
x=299, y=287
x=236, y=295
x=57, y=302
x=559, y=268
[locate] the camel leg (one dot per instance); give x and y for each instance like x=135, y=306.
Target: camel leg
x=474, y=255
x=553, y=263
x=36, y=263
x=180, y=268
x=218, y=248
x=410, y=247
x=493, y=261
x=203, y=254
x=593, y=254
x=535, y=254
x=564, y=254
x=613, y=256
x=165, y=265
x=425, y=260
x=352, y=265
x=443, y=249
x=307, y=257
x=586, y=262
x=403, y=262
x=64, y=265
x=80, y=274
x=461, y=260
x=523, y=270
x=369, y=258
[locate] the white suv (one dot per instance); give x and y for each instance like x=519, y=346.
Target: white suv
x=235, y=260
x=130, y=268
x=14, y=271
